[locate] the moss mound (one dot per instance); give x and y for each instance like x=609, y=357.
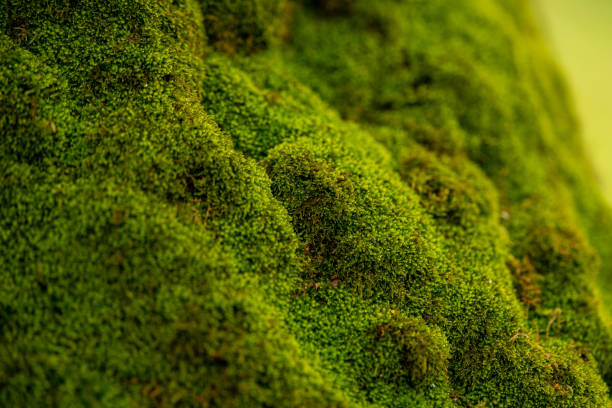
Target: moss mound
x=295, y=203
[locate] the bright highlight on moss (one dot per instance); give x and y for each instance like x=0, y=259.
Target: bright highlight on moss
x=296, y=203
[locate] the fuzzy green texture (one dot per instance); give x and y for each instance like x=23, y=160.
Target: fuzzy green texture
x=312, y=203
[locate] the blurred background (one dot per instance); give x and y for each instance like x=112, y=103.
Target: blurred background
x=580, y=32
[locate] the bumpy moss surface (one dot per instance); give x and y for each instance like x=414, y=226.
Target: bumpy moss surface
x=314, y=203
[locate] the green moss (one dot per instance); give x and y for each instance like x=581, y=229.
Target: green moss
x=535, y=374
x=406, y=350
x=246, y=25
x=508, y=111
x=282, y=203
x=354, y=221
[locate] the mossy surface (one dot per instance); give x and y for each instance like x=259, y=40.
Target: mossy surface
x=295, y=203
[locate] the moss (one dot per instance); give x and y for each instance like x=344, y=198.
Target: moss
x=330, y=7
x=506, y=112
x=452, y=189
x=408, y=351
x=246, y=25
x=553, y=375
x=282, y=203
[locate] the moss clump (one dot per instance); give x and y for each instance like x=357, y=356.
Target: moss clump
x=407, y=351
x=294, y=203
x=246, y=25
x=452, y=189
x=371, y=236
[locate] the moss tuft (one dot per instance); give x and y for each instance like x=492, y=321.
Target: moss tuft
x=407, y=351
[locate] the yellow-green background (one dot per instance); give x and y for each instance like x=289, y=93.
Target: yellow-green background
x=581, y=35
